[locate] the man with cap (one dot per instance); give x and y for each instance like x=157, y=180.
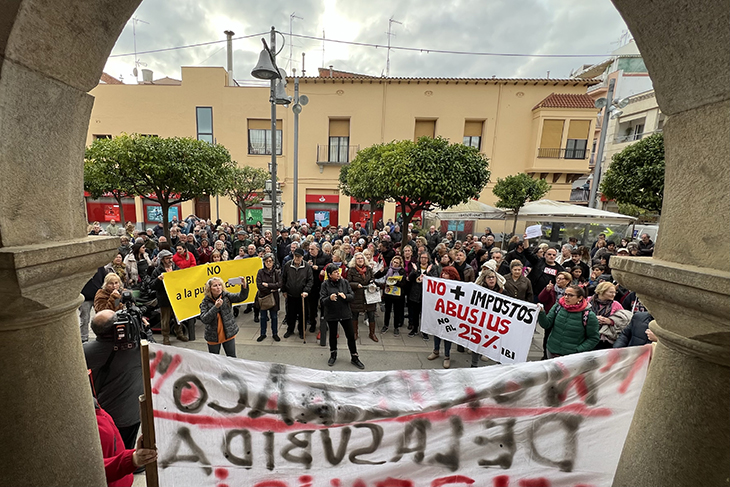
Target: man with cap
x=297, y=280
x=241, y=241
x=283, y=242
x=158, y=275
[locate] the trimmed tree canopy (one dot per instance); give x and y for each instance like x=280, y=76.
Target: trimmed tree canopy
x=418, y=175
x=168, y=170
x=244, y=187
x=101, y=173
x=636, y=175
x=514, y=191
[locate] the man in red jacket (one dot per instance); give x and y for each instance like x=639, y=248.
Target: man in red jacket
x=119, y=464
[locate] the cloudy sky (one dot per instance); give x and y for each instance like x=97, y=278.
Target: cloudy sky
x=584, y=27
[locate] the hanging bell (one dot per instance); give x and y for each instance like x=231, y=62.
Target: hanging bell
x=265, y=67
x=281, y=97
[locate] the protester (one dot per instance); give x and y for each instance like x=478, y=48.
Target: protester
x=394, y=294
x=637, y=333
x=137, y=263
x=488, y=279
x=297, y=281
x=516, y=285
x=452, y=274
x=216, y=313
x=360, y=277
x=645, y=246
x=163, y=302
x=204, y=251
x=415, y=294
x=335, y=296
x=573, y=326
x=109, y=296
x=318, y=261
x=612, y=317
x=183, y=259
x=89, y=292
x=268, y=282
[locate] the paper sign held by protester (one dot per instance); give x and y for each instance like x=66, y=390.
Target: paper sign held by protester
x=481, y=320
x=533, y=231
x=560, y=422
x=185, y=287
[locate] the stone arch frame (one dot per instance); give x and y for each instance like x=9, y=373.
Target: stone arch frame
x=52, y=53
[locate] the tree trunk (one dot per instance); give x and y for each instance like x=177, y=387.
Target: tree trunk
x=407, y=217
x=122, y=221
x=514, y=225
x=165, y=205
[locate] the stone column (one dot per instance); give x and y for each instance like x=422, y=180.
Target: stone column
x=680, y=433
x=51, y=54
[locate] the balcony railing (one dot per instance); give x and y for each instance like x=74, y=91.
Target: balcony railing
x=336, y=154
x=550, y=153
x=622, y=139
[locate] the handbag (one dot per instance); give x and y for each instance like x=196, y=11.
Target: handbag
x=267, y=302
x=372, y=294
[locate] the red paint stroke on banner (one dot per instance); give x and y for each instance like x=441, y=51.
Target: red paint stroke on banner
x=467, y=414
x=221, y=473
x=645, y=355
x=500, y=481
x=155, y=363
x=271, y=483
x=453, y=479
x=613, y=355
x=190, y=393
x=173, y=365
x=538, y=482
x=391, y=482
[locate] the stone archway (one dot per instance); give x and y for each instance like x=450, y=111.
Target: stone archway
x=52, y=53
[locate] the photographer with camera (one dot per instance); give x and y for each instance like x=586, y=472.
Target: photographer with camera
x=116, y=367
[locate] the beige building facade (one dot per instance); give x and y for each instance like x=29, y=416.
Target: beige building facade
x=537, y=126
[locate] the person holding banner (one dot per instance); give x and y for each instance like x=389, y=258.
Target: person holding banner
x=216, y=313
x=573, y=326
x=415, y=294
x=335, y=296
x=268, y=282
x=516, y=285
x=451, y=273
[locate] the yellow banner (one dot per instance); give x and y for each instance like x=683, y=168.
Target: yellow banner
x=185, y=287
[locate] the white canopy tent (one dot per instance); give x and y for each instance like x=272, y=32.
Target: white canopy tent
x=471, y=210
x=556, y=211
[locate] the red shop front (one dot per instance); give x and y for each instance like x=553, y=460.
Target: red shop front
x=106, y=209
x=322, y=209
x=417, y=218
x=360, y=211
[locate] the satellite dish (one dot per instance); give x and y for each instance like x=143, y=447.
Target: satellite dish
x=296, y=108
x=622, y=103
x=600, y=103
x=303, y=100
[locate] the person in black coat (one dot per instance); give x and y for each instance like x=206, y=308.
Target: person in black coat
x=335, y=296
x=317, y=261
x=268, y=282
x=544, y=269
x=637, y=333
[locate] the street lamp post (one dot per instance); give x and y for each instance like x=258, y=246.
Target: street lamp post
x=266, y=69
x=592, y=203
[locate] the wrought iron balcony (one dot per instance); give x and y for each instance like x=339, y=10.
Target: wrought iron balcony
x=550, y=153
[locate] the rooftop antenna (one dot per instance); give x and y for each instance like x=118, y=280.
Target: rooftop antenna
x=304, y=71
x=391, y=21
x=137, y=62
x=322, y=48
x=291, y=45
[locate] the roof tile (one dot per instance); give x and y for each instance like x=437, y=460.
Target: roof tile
x=566, y=100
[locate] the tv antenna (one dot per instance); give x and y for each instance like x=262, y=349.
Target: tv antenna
x=137, y=62
x=391, y=21
x=323, y=48
x=291, y=45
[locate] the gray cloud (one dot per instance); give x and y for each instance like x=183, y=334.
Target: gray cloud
x=529, y=26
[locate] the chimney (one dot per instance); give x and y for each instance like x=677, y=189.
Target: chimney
x=331, y=76
x=146, y=76
x=229, y=52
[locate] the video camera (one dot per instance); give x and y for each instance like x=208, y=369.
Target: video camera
x=128, y=326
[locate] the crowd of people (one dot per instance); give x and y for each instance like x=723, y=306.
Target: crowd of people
x=333, y=279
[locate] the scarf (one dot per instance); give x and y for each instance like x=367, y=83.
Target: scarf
x=120, y=270
x=573, y=308
x=460, y=269
x=559, y=291
x=601, y=307
x=492, y=264
x=392, y=271
x=361, y=270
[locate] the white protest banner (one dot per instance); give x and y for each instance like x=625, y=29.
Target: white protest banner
x=481, y=320
x=232, y=422
x=533, y=231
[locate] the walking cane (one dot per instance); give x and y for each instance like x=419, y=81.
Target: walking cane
x=304, y=323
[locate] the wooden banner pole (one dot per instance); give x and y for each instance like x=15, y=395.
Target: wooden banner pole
x=147, y=415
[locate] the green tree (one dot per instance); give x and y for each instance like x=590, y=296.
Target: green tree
x=514, y=191
x=101, y=173
x=418, y=175
x=245, y=184
x=170, y=170
x=636, y=175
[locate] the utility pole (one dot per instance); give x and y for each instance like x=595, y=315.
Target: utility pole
x=592, y=203
x=390, y=34
x=137, y=62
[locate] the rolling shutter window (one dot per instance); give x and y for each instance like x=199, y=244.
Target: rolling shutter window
x=552, y=133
